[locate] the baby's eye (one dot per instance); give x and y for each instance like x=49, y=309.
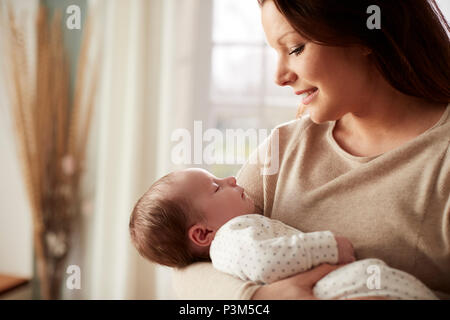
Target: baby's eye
x=218, y=187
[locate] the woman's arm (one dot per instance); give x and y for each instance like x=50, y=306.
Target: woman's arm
x=200, y=281
x=298, y=287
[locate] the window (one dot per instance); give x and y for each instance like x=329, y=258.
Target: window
x=242, y=92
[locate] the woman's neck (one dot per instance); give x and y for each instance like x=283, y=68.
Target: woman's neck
x=385, y=122
x=388, y=116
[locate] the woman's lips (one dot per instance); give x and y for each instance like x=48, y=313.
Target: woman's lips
x=307, y=90
x=308, y=95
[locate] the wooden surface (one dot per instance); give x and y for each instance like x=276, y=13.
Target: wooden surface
x=9, y=282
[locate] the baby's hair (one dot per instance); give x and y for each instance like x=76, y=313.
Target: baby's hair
x=159, y=224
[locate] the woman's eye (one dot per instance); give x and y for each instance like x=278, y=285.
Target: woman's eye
x=297, y=50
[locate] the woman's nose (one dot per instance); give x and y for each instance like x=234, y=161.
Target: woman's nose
x=284, y=76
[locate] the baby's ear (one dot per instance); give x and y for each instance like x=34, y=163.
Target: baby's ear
x=200, y=235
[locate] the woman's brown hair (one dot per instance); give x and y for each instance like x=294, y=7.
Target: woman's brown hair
x=411, y=50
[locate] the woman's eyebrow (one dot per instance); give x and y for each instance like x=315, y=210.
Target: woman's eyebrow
x=284, y=35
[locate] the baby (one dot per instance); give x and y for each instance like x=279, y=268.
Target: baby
x=191, y=215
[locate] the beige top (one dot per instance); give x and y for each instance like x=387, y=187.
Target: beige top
x=394, y=206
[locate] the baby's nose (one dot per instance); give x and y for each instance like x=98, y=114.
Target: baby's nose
x=232, y=181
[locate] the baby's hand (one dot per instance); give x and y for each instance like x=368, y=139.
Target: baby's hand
x=345, y=250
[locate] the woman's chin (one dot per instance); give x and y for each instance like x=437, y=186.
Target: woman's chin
x=318, y=117
x=315, y=117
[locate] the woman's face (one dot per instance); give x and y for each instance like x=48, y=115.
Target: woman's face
x=340, y=74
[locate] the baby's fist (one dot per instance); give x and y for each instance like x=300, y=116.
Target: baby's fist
x=345, y=250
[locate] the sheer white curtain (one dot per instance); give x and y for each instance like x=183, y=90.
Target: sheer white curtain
x=146, y=49
x=16, y=245
x=125, y=128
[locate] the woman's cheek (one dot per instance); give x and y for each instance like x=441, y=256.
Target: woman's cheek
x=310, y=70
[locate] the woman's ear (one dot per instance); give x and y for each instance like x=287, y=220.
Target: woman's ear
x=200, y=235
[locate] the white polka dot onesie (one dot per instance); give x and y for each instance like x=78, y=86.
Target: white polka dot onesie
x=256, y=248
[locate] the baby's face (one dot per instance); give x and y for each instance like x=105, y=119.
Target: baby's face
x=218, y=199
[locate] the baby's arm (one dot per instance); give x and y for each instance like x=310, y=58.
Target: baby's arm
x=345, y=250
x=256, y=248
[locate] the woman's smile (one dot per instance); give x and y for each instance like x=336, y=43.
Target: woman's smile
x=310, y=96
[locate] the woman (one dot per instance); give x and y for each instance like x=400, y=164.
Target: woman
x=372, y=161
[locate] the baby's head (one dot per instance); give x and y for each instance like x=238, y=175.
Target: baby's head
x=175, y=221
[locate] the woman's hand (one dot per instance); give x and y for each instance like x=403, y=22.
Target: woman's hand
x=297, y=287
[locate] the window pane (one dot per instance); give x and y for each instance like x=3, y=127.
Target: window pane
x=237, y=21
x=236, y=72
